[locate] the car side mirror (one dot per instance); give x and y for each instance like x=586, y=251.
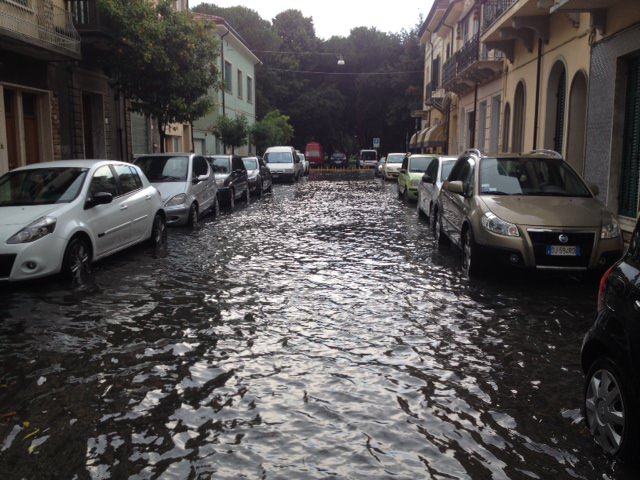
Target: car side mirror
x=454, y=186
x=403, y=170
x=98, y=198
x=427, y=178
x=594, y=189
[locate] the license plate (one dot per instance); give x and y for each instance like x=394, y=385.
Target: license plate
x=563, y=250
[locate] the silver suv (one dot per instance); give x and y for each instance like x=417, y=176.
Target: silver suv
x=524, y=210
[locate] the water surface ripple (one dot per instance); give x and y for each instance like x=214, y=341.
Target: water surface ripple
x=316, y=333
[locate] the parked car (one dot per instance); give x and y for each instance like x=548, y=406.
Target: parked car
x=610, y=358
x=186, y=183
x=367, y=158
x=392, y=165
x=431, y=183
x=378, y=171
x=259, y=176
x=59, y=217
x=411, y=172
x=524, y=210
x=284, y=164
x=304, y=162
x=338, y=160
x=232, y=179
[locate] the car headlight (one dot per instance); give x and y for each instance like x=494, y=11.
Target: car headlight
x=179, y=199
x=495, y=224
x=35, y=230
x=611, y=230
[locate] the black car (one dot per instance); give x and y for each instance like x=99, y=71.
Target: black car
x=260, y=180
x=610, y=359
x=338, y=160
x=232, y=178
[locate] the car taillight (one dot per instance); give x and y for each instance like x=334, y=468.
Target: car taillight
x=603, y=282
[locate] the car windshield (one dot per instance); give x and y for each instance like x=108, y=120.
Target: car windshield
x=369, y=155
x=250, y=163
x=41, y=186
x=164, y=168
x=530, y=176
x=220, y=164
x=419, y=164
x=395, y=158
x=278, y=157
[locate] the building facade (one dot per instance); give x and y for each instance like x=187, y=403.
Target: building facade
x=236, y=64
x=38, y=43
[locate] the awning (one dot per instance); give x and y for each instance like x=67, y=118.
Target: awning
x=424, y=134
x=414, y=140
x=436, y=136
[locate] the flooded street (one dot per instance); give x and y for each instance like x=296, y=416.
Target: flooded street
x=316, y=333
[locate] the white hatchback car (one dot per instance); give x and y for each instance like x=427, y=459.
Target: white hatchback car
x=431, y=182
x=58, y=217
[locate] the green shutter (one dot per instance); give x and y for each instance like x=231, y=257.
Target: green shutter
x=629, y=176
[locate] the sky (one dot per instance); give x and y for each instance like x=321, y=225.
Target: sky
x=338, y=17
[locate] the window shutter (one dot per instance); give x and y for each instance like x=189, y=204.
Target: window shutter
x=629, y=176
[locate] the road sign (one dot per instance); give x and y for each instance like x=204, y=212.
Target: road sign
x=376, y=142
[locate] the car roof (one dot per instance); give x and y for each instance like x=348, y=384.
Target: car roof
x=82, y=163
x=280, y=149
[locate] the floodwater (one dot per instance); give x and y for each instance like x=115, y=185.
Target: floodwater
x=316, y=333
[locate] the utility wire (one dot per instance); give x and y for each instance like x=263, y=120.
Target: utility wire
x=311, y=72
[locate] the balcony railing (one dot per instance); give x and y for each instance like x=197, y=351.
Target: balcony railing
x=450, y=69
x=42, y=24
x=493, y=10
x=85, y=14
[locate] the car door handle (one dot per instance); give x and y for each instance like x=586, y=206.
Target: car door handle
x=124, y=207
x=636, y=305
x=147, y=197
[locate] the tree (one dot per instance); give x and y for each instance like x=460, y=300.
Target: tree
x=232, y=132
x=273, y=129
x=162, y=59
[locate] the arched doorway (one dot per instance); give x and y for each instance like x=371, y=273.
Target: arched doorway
x=556, y=99
x=517, y=144
x=577, y=122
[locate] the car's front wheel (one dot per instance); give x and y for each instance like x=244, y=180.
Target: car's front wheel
x=77, y=259
x=247, y=195
x=472, y=264
x=231, y=201
x=610, y=411
x=259, y=188
x=194, y=215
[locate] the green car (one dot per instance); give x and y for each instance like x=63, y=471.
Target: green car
x=413, y=167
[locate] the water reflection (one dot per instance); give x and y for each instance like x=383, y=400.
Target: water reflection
x=311, y=334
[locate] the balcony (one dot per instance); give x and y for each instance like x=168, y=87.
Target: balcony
x=474, y=64
x=434, y=96
x=39, y=29
x=86, y=17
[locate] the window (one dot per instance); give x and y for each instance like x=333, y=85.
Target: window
x=482, y=125
x=103, y=181
x=240, y=83
x=128, y=177
x=628, y=193
x=200, y=166
x=228, y=81
x=249, y=89
x=518, y=119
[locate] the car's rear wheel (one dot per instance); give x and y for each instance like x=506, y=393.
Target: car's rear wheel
x=247, y=195
x=194, y=215
x=419, y=210
x=472, y=264
x=77, y=259
x=231, y=201
x=259, y=190
x=610, y=411
x=216, y=208
x=438, y=233
x=159, y=231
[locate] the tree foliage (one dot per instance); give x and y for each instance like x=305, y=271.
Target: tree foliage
x=273, y=129
x=161, y=59
x=342, y=107
x=232, y=131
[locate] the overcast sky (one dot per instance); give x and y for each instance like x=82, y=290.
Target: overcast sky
x=338, y=17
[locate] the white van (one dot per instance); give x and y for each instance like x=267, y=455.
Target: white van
x=368, y=159
x=283, y=163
